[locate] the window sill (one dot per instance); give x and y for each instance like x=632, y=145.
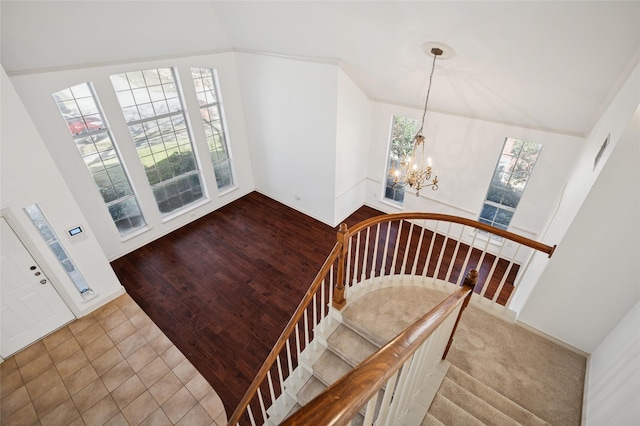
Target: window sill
x=227, y=191
x=135, y=233
x=388, y=202
x=186, y=209
x=496, y=241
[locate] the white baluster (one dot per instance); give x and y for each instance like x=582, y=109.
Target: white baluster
x=251, y=419
x=418, y=251
x=262, y=409
x=371, y=408
x=406, y=250
x=386, y=399
x=374, y=259
x=442, y=249
x=395, y=249
x=454, y=256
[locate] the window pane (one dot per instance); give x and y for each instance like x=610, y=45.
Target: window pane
x=126, y=214
x=204, y=80
x=81, y=112
x=509, y=180
x=502, y=218
x=403, y=131
x=160, y=135
x=42, y=224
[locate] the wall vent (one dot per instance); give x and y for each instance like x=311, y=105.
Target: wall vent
x=601, y=151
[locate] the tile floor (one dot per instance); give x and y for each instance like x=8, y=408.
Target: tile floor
x=112, y=367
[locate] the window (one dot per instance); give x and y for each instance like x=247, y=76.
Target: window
x=210, y=110
x=42, y=224
x=80, y=110
x=403, y=131
x=151, y=104
x=508, y=182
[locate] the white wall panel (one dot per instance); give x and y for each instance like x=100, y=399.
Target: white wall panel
x=592, y=280
x=613, y=376
x=290, y=108
x=352, y=146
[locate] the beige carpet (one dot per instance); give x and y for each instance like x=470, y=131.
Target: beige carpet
x=535, y=373
x=541, y=376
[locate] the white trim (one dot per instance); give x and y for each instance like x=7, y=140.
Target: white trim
x=552, y=339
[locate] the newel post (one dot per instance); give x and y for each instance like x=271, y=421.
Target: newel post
x=470, y=281
x=338, y=292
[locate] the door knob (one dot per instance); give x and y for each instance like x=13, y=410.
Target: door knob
x=43, y=281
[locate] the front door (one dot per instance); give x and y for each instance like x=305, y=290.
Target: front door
x=30, y=308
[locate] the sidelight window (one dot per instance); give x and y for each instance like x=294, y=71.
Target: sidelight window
x=51, y=239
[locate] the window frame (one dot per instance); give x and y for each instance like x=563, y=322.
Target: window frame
x=503, y=213
x=180, y=183
x=393, y=161
x=224, y=145
x=93, y=134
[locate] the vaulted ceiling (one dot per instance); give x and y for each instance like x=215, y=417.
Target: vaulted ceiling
x=550, y=65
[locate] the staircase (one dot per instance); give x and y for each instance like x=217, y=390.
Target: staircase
x=378, y=286
x=371, y=321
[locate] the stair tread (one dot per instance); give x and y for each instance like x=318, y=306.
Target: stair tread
x=310, y=390
x=493, y=398
x=350, y=346
x=330, y=367
x=474, y=405
x=448, y=413
x=430, y=420
x=384, y=313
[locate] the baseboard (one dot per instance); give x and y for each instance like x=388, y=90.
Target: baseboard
x=552, y=339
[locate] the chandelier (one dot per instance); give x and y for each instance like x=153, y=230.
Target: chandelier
x=415, y=170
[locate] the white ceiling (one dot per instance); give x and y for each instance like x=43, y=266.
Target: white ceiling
x=550, y=65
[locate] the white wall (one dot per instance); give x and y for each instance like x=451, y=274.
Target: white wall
x=613, y=122
x=593, y=278
x=291, y=110
x=465, y=152
x=352, y=147
x=612, y=385
x=29, y=176
x=36, y=92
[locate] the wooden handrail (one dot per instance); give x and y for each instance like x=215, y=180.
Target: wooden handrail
x=455, y=219
x=288, y=330
x=341, y=401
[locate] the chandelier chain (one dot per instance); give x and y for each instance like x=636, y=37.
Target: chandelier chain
x=426, y=102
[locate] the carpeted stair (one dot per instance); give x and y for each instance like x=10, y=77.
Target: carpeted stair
x=374, y=319
x=463, y=400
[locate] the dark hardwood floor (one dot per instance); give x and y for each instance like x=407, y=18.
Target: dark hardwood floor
x=223, y=287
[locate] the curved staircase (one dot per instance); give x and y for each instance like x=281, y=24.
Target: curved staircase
x=368, y=342
x=377, y=316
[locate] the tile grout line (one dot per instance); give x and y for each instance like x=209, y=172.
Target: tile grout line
x=159, y=345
